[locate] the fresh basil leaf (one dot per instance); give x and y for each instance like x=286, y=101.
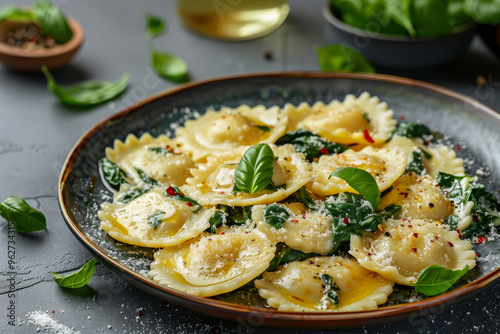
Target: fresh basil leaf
x=411, y=130
x=21, y=216
x=169, y=66
x=144, y=178
x=175, y=193
x=52, y=21
x=111, y=173
x=155, y=219
x=285, y=254
x=435, y=279
x=415, y=163
x=15, y=13
x=399, y=11
x=88, y=93
x=77, y=279
x=351, y=214
x=155, y=26
x=342, y=58
x=255, y=169
x=361, y=181
x=310, y=144
x=131, y=194
x=456, y=13
x=483, y=11
x=275, y=215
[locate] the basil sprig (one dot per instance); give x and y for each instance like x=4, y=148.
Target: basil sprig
x=435, y=279
x=88, y=93
x=255, y=169
x=361, y=181
x=341, y=58
x=77, y=279
x=275, y=215
x=52, y=21
x=21, y=216
x=111, y=173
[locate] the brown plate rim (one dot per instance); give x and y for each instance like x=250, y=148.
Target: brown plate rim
x=274, y=317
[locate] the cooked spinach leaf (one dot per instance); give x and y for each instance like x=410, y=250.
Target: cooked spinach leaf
x=132, y=193
x=175, y=193
x=155, y=219
x=306, y=199
x=310, y=144
x=285, y=254
x=275, y=215
x=411, y=130
x=330, y=292
x=21, y=216
x=111, y=173
x=144, y=178
x=161, y=150
x=415, y=163
x=239, y=214
x=435, y=279
x=219, y=218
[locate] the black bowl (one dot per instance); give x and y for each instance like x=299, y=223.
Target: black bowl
x=399, y=52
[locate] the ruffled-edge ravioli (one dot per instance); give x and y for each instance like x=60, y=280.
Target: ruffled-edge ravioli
x=128, y=223
x=213, y=182
x=419, y=197
x=304, y=230
x=345, y=122
x=213, y=263
x=443, y=158
x=383, y=164
x=297, y=286
x=228, y=129
x=168, y=166
x=408, y=247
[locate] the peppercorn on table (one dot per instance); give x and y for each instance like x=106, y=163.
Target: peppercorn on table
x=37, y=132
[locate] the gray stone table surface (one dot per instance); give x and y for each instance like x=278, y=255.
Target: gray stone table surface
x=37, y=132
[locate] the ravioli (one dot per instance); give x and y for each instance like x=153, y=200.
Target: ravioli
x=406, y=247
x=298, y=287
x=419, y=198
x=212, y=183
x=213, y=264
x=357, y=120
x=383, y=164
x=131, y=223
x=159, y=158
x=305, y=230
x=228, y=129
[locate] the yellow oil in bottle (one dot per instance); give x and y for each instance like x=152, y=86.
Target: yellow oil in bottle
x=233, y=19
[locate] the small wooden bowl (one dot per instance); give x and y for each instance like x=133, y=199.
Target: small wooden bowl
x=31, y=60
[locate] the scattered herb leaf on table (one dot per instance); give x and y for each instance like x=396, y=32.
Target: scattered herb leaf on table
x=169, y=66
x=21, y=216
x=77, y=279
x=88, y=93
x=155, y=26
x=342, y=58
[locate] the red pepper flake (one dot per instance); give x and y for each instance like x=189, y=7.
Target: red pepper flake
x=436, y=237
x=410, y=225
x=189, y=203
x=310, y=262
x=197, y=245
x=323, y=151
x=402, y=117
x=451, y=245
x=459, y=234
x=246, y=232
x=303, y=215
x=222, y=233
x=53, y=311
x=477, y=254
x=367, y=136
x=415, y=235
x=140, y=312
x=480, y=240
x=346, y=220
x=222, y=192
x=456, y=148
x=476, y=218
x=295, y=221
x=403, y=219
x=414, y=250
x=171, y=191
